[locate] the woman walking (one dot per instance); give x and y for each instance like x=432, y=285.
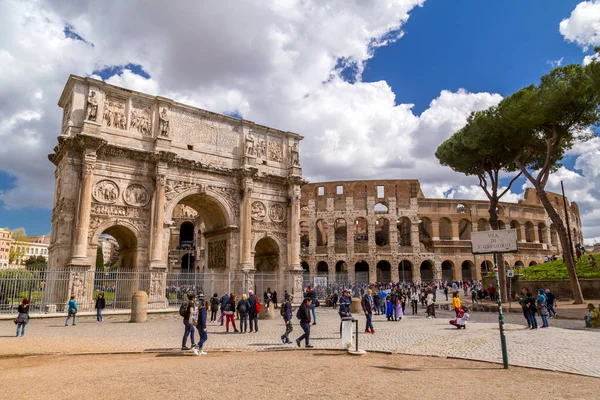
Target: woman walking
x=230, y=313
x=100, y=304
x=398, y=305
x=214, y=307
x=23, y=317
x=202, y=313
x=72, y=311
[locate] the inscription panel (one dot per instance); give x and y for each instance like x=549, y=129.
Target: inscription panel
x=190, y=128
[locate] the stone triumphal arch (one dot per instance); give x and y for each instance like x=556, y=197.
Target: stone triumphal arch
x=126, y=160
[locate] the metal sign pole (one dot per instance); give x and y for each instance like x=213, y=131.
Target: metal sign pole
x=501, y=317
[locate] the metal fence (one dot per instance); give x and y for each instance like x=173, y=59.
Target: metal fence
x=49, y=292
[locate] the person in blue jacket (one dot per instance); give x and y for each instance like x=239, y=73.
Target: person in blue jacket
x=345, y=303
x=72, y=311
x=287, y=318
x=202, y=313
x=542, y=307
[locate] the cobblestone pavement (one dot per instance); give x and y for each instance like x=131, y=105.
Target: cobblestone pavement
x=565, y=346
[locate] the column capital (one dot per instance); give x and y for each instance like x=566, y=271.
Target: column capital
x=88, y=163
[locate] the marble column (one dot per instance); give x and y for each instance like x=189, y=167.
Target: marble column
x=246, y=226
x=294, y=229
x=156, y=259
x=80, y=243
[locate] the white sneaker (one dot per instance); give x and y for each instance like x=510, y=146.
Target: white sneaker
x=203, y=353
x=195, y=350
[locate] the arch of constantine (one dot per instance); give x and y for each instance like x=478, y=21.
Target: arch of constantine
x=127, y=164
x=184, y=190
x=382, y=230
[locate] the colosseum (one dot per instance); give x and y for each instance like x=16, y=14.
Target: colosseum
x=382, y=230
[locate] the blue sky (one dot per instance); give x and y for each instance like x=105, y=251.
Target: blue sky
x=481, y=46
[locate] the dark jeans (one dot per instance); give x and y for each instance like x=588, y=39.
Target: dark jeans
x=253, y=320
x=431, y=310
x=244, y=322
x=203, y=338
x=306, y=336
x=189, y=331
x=369, y=325
x=526, y=315
x=71, y=313
x=544, y=320
x=551, y=310
x=312, y=309
x=532, y=320
x=213, y=316
x=415, y=306
x=99, y=314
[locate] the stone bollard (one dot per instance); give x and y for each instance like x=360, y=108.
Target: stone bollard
x=356, y=307
x=139, y=307
x=267, y=313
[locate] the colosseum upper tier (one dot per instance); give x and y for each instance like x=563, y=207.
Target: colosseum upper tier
x=382, y=230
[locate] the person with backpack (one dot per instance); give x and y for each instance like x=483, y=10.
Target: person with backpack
x=214, y=307
x=303, y=314
x=100, y=304
x=254, y=304
x=23, y=317
x=201, y=326
x=243, y=308
x=223, y=300
x=229, y=311
x=286, y=313
x=72, y=311
x=187, y=310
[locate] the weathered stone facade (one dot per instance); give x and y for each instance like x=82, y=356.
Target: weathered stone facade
x=386, y=229
x=126, y=160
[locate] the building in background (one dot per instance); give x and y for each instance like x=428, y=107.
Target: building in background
x=5, y=244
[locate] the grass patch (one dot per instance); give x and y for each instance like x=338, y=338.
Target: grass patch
x=558, y=270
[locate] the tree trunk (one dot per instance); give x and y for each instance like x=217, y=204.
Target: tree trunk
x=564, y=243
x=499, y=257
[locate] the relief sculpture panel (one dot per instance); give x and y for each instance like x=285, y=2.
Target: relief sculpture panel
x=275, y=150
x=217, y=254
x=259, y=211
x=106, y=191
x=114, y=113
x=276, y=213
x=141, y=117
x=136, y=195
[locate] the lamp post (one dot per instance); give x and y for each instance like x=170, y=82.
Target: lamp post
x=462, y=209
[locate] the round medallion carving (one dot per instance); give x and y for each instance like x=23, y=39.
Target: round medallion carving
x=276, y=213
x=136, y=195
x=259, y=211
x=106, y=191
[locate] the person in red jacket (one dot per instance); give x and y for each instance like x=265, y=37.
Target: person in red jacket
x=492, y=292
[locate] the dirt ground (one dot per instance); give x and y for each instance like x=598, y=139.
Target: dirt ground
x=278, y=375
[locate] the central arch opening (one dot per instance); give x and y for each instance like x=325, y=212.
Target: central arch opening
x=384, y=271
x=117, y=252
x=405, y=271
x=466, y=268
x=447, y=268
x=361, y=272
x=426, y=271
x=266, y=262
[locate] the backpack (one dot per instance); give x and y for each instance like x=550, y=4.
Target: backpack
x=228, y=307
x=183, y=308
x=257, y=307
x=282, y=309
x=243, y=308
x=299, y=313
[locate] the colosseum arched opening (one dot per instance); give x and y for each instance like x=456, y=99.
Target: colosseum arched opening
x=426, y=271
x=447, y=271
x=466, y=269
x=405, y=271
x=361, y=272
x=384, y=271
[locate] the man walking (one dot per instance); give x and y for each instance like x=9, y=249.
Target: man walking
x=287, y=319
x=550, y=302
x=189, y=328
x=305, y=323
x=310, y=292
x=367, y=306
x=345, y=303
x=252, y=300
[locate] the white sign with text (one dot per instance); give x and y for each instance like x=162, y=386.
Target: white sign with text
x=501, y=241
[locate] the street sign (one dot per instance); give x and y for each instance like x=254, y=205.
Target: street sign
x=500, y=241
x=511, y=273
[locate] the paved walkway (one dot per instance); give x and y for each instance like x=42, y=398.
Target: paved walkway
x=566, y=346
